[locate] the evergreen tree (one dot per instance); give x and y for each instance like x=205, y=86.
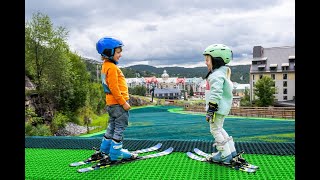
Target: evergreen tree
x=264, y=89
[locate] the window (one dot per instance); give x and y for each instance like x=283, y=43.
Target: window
x=284, y=68
x=285, y=97
x=284, y=76
x=273, y=76
x=273, y=67
x=260, y=76
x=284, y=83
x=252, y=76
x=285, y=91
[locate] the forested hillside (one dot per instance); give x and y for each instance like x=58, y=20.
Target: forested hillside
x=240, y=73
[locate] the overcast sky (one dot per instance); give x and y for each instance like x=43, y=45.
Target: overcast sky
x=171, y=32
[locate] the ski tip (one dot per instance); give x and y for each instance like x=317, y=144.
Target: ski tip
x=85, y=169
x=76, y=164
x=251, y=170
x=170, y=149
x=190, y=154
x=159, y=145
x=196, y=149
x=252, y=166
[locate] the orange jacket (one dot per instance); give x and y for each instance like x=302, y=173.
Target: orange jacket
x=116, y=82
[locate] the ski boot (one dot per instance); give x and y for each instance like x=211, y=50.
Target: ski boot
x=99, y=153
x=214, y=145
x=105, y=145
x=223, y=155
x=231, y=147
x=118, y=154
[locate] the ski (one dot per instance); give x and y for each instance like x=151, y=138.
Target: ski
x=99, y=166
x=89, y=160
x=238, y=157
x=236, y=167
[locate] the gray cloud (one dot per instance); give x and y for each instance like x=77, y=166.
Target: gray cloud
x=166, y=32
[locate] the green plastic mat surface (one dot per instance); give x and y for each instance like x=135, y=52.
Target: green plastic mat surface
x=54, y=164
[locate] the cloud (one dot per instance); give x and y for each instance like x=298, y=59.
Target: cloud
x=166, y=32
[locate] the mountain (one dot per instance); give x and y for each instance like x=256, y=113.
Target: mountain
x=239, y=73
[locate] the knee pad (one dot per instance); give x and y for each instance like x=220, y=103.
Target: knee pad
x=220, y=146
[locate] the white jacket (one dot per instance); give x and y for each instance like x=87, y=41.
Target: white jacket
x=220, y=90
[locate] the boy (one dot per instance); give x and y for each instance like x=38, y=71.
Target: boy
x=117, y=96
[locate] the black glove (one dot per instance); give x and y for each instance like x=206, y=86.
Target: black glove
x=213, y=107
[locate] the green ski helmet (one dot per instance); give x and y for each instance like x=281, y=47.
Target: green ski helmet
x=219, y=50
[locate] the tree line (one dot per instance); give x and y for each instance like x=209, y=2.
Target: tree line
x=60, y=76
x=240, y=73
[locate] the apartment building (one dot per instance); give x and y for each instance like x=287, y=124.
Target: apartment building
x=277, y=63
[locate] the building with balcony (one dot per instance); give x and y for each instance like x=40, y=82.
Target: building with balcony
x=277, y=63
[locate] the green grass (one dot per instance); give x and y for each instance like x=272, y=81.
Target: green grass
x=100, y=123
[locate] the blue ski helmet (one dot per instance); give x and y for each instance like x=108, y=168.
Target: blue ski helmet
x=106, y=45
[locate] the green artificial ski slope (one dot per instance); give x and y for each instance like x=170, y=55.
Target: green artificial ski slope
x=54, y=164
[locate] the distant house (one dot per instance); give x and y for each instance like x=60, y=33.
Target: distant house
x=277, y=63
x=239, y=89
x=167, y=93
